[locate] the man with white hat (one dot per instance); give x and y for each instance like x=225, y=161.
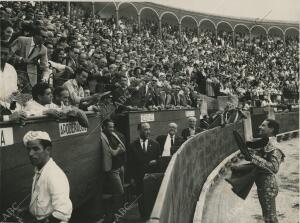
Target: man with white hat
x=50, y=200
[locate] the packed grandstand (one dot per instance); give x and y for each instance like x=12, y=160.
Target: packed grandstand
x=166, y=64
x=74, y=61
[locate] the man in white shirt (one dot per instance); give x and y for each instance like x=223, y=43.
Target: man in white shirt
x=50, y=194
x=8, y=87
x=41, y=103
x=171, y=142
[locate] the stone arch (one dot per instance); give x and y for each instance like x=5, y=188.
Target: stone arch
x=149, y=15
x=170, y=13
x=149, y=8
x=277, y=31
x=129, y=11
x=105, y=9
x=188, y=26
x=207, y=24
x=259, y=31
x=170, y=23
x=241, y=33
x=239, y=25
x=291, y=33
x=228, y=26
x=130, y=3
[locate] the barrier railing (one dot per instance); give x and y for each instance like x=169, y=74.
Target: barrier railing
x=75, y=149
x=188, y=171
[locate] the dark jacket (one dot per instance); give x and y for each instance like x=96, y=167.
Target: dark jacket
x=178, y=140
x=138, y=160
x=186, y=132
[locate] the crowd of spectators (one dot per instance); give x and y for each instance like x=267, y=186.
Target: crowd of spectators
x=89, y=56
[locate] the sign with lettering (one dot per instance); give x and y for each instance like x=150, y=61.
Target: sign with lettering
x=70, y=128
x=6, y=137
x=149, y=117
x=190, y=113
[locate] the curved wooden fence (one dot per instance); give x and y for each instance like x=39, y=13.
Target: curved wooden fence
x=194, y=161
x=188, y=171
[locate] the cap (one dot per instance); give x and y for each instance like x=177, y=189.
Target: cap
x=33, y=135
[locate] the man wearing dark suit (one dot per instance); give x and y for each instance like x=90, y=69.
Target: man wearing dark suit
x=29, y=54
x=171, y=142
x=143, y=157
x=191, y=130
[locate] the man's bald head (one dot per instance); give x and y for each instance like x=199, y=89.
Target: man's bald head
x=172, y=128
x=192, y=122
x=144, y=129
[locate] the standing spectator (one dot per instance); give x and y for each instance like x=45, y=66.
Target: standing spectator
x=50, y=198
x=171, y=142
x=114, y=150
x=30, y=53
x=143, y=157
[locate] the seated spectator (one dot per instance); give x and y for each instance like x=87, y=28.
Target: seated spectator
x=9, y=111
x=62, y=100
x=55, y=69
x=75, y=88
x=41, y=102
x=191, y=130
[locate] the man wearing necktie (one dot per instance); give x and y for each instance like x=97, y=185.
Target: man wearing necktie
x=169, y=144
x=30, y=57
x=143, y=157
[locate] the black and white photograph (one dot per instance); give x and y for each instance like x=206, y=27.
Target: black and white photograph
x=149, y=111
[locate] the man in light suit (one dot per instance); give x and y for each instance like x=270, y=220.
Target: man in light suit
x=30, y=56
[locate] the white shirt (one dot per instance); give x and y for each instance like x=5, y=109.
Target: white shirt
x=146, y=144
x=8, y=82
x=167, y=146
x=192, y=131
x=50, y=193
x=31, y=47
x=33, y=108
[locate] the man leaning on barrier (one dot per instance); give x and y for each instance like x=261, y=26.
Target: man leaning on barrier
x=50, y=201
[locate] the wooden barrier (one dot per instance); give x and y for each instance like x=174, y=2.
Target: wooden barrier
x=188, y=170
x=75, y=149
x=288, y=121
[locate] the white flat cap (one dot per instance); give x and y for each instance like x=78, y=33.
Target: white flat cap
x=33, y=135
